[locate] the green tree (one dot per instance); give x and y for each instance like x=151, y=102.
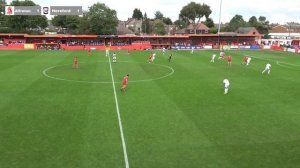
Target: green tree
x=158, y=15
x=180, y=23
x=145, y=24
x=59, y=21
x=84, y=26
x=236, y=22
x=2, y=7
x=3, y=18
x=263, y=25
x=209, y=22
x=167, y=21
x=25, y=23
x=40, y=21
x=137, y=14
x=193, y=12
x=102, y=19
x=213, y=30
x=71, y=23
x=253, y=22
x=262, y=19
x=159, y=28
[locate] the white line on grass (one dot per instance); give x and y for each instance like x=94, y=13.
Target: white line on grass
x=263, y=58
x=289, y=64
x=45, y=73
x=279, y=63
x=285, y=66
x=119, y=117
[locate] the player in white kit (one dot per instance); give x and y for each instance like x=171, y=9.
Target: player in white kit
x=153, y=57
x=248, y=61
x=267, y=68
x=226, y=85
x=164, y=50
x=222, y=55
x=213, y=58
x=114, y=57
x=192, y=51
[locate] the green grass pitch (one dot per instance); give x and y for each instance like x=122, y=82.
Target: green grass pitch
x=174, y=115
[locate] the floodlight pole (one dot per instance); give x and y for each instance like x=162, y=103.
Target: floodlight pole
x=219, y=28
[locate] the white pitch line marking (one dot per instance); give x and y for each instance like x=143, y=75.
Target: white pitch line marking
x=286, y=66
x=44, y=72
x=119, y=117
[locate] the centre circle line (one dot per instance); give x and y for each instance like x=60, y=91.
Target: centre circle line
x=44, y=72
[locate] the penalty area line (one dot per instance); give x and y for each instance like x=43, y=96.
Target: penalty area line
x=286, y=66
x=119, y=116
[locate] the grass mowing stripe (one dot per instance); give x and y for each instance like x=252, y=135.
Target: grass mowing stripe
x=18, y=77
x=181, y=121
x=119, y=116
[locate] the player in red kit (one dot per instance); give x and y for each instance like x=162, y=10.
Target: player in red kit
x=124, y=83
x=229, y=59
x=89, y=51
x=75, y=63
x=245, y=59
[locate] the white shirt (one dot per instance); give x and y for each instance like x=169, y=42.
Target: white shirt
x=114, y=55
x=226, y=82
x=249, y=59
x=213, y=56
x=268, y=66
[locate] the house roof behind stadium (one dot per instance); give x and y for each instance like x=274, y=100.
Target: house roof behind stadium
x=245, y=30
x=199, y=26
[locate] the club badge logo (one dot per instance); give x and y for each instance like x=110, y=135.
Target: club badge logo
x=9, y=10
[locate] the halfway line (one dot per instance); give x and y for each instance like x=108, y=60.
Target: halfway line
x=119, y=116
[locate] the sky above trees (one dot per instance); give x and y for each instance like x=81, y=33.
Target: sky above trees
x=276, y=11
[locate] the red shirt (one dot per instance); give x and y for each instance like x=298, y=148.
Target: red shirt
x=89, y=50
x=245, y=59
x=125, y=80
x=229, y=58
